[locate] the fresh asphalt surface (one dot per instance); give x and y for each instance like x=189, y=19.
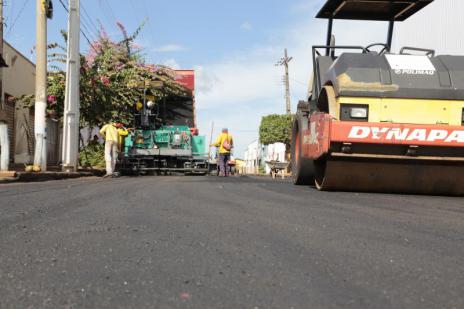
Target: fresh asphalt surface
x=208, y=242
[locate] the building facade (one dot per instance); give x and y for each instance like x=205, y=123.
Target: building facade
x=253, y=157
x=257, y=155
x=18, y=80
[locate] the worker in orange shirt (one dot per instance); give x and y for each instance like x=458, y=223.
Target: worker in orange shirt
x=225, y=143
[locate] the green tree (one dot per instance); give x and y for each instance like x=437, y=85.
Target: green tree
x=275, y=129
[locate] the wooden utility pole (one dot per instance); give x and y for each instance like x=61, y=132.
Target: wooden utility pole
x=285, y=62
x=72, y=93
x=40, y=154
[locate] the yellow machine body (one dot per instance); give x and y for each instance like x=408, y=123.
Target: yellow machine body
x=407, y=111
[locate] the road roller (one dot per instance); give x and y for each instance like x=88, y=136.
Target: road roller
x=379, y=121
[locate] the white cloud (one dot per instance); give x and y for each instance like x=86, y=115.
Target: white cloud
x=169, y=48
x=246, y=85
x=246, y=26
x=207, y=80
x=172, y=63
x=306, y=7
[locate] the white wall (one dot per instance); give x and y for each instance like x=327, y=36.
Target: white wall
x=19, y=79
x=438, y=26
x=252, y=157
x=274, y=152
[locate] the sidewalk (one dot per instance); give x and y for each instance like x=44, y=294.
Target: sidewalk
x=18, y=175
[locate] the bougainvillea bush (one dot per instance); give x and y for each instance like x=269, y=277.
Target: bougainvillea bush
x=111, y=74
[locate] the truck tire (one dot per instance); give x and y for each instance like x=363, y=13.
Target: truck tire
x=302, y=168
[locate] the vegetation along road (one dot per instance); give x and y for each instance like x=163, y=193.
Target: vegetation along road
x=207, y=242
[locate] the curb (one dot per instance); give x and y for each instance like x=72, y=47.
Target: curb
x=47, y=176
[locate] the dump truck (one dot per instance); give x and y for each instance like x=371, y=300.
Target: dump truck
x=165, y=139
x=380, y=121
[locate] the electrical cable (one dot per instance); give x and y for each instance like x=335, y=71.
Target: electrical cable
x=26, y=2
x=111, y=11
x=83, y=33
x=108, y=12
x=89, y=19
x=150, y=28
x=7, y=20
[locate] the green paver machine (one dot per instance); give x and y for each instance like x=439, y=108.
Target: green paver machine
x=165, y=139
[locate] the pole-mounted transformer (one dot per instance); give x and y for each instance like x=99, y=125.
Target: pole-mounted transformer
x=48, y=8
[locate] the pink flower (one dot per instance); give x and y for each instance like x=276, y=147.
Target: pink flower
x=105, y=80
x=136, y=46
x=51, y=99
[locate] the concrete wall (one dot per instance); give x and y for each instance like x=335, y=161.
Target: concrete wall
x=19, y=79
x=274, y=152
x=253, y=157
x=439, y=26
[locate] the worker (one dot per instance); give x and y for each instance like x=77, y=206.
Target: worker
x=122, y=132
x=225, y=143
x=112, y=138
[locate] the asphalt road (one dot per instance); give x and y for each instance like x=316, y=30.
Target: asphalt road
x=207, y=242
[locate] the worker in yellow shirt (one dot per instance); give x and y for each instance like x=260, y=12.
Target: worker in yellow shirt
x=225, y=143
x=123, y=132
x=111, y=133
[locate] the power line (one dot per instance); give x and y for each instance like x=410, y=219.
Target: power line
x=299, y=82
x=147, y=19
x=150, y=28
x=83, y=33
x=85, y=18
x=89, y=29
x=85, y=23
x=91, y=35
x=111, y=10
x=134, y=9
x=108, y=12
x=26, y=2
x=10, y=12
x=89, y=19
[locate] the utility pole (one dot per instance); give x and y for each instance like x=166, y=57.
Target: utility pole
x=4, y=142
x=40, y=127
x=1, y=54
x=211, y=141
x=285, y=62
x=72, y=93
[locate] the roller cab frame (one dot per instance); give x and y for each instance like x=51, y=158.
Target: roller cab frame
x=379, y=121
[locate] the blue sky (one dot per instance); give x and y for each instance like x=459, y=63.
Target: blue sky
x=233, y=46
